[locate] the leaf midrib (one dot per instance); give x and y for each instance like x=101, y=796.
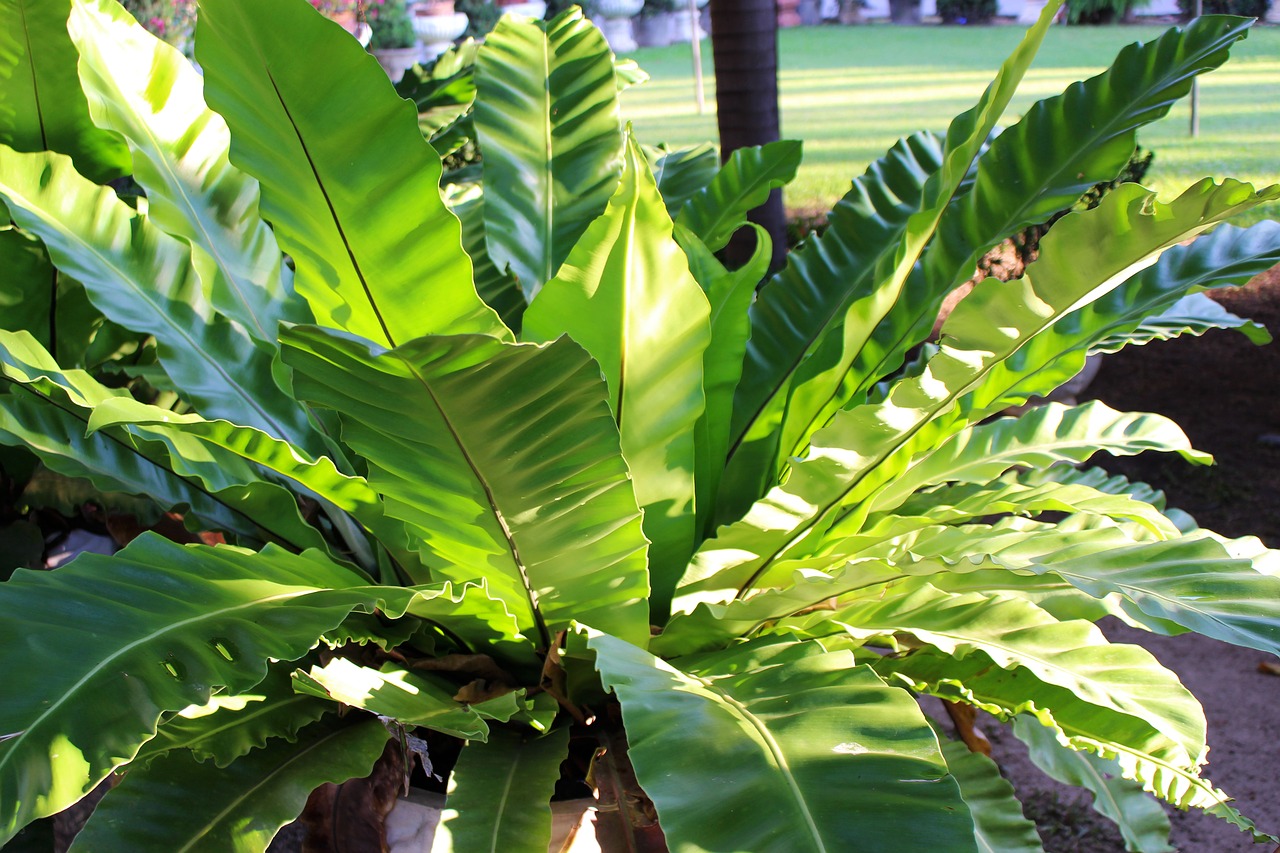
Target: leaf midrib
x=775, y=752
x=522, y=569
x=324, y=193
x=500, y=811
x=294, y=757
x=35, y=83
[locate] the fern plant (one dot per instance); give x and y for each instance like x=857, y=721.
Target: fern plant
x=497, y=461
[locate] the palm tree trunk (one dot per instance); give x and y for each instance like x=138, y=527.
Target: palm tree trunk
x=744, y=43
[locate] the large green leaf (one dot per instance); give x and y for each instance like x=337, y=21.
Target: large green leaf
x=1081, y=137
x=1073, y=656
x=1142, y=755
x=155, y=628
x=793, y=396
x=504, y=461
x=1085, y=150
x=742, y=184
x=547, y=121
x=317, y=477
x=392, y=692
x=1194, y=582
x=681, y=172
x=795, y=308
x=626, y=294
x=1142, y=821
x=1009, y=494
x=1005, y=343
x=1194, y=314
x=1227, y=257
x=230, y=726
x=348, y=183
x=42, y=107
x=151, y=94
x=497, y=287
x=500, y=793
x=143, y=279
x=997, y=815
x=50, y=411
x=1043, y=436
x=239, y=808
x=1064, y=145
x=840, y=758
x=730, y=294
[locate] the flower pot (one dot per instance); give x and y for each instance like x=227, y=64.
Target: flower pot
x=434, y=8
x=438, y=32
x=536, y=9
x=787, y=14
x=397, y=60
x=655, y=31
x=615, y=22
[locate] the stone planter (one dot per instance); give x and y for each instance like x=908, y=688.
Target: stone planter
x=397, y=60
x=438, y=32
x=685, y=24
x=536, y=9
x=655, y=31
x=615, y=23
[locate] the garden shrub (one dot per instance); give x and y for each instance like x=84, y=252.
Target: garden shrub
x=1247, y=8
x=1100, y=11
x=966, y=11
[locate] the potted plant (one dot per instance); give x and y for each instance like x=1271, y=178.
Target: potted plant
x=394, y=41
x=524, y=472
x=615, y=18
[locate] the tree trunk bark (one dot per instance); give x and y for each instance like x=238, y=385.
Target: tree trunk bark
x=744, y=43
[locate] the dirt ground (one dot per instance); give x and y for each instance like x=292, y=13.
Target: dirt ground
x=1225, y=393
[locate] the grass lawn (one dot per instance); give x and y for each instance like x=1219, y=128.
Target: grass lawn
x=850, y=92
